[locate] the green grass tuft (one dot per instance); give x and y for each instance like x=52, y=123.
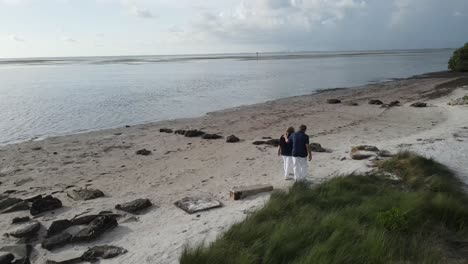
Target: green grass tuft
x=353, y=219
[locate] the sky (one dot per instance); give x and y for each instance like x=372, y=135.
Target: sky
x=55, y=28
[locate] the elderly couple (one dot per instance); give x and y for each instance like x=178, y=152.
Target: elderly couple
x=294, y=148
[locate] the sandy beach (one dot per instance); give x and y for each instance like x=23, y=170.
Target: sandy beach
x=180, y=166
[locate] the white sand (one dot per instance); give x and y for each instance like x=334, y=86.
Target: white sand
x=180, y=166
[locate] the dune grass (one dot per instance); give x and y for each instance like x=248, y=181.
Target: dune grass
x=422, y=218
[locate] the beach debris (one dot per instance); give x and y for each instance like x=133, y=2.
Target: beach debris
x=211, y=136
x=375, y=102
x=84, y=194
x=58, y=226
x=6, y=258
x=232, y=139
x=196, y=204
x=165, y=130
x=333, y=101
x=57, y=241
x=96, y=228
x=460, y=101
x=352, y=103
x=44, y=204
x=26, y=230
x=134, y=206
x=238, y=193
x=21, y=206
x=271, y=142
x=364, y=152
x=193, y=133
x=143, y=152
x=419, y=104
x=93, y=255
x=19, y=220
x=316, y=147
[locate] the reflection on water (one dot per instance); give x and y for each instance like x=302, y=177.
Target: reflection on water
x=44, y=97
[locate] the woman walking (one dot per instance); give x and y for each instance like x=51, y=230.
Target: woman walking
x=285, y=151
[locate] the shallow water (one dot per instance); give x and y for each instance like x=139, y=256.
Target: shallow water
x=48, y=97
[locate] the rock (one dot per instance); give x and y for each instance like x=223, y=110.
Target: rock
x=18, y=220
x=333, y=101
x=21, y=206
x=271, y=142
x=102, y=252
x=352, y=104
x=193, y=133
x=232, y=139
x=84, y=194
x=419, y=104
x=394, y=103
x=316, y=147
x=95, y=229
x=57, y=241
x=165, y=130
x=7, y=202
x=375, y=102
x=259, y=142
x=20, y=251
x=6, y=258
x=45, y=204
x=179, y=132
x=84, y=220
x=143, y=152
x=211, y=136
x=385, y=154
x=196, y=204
x=365, y=148
x=26, y=230
x=238, y=193
x=34, y=198
x=58, y=226
x=134, y=206
x=362, y=155
x=22, y=261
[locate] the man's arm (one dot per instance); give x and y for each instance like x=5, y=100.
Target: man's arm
x=309, y=152
x=279, y=150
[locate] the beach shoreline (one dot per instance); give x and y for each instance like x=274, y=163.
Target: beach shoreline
x=180, y=166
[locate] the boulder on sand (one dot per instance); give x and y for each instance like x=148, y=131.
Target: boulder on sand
x=165, y=130
x=102, y=252
x=375, y=102
x=19, y=220
x=316, y=147
x=193, y=133
x=45, y=204
x=364, y=152
x=56, y=241
x=196, y=204
x=143, y=152
x=333, y=101
x=21, y=206
x=9, y=201
x=365, y=148
x=58, y=226
x=271, y=142
x=211, y=136
x=394, y=103
x=179, y=131
x=6, y=258
x=84, y=194
x=95, y=229
x=419, y=104
x=26, y=230
x=134, y=206
x=232, y=139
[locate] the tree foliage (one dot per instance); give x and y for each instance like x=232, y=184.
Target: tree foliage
x=459, y=60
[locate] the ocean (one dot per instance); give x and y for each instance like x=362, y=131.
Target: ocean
x=45, y=97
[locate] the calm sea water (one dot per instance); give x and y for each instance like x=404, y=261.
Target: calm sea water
x=48, y=97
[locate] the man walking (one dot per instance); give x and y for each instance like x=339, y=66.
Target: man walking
x=300, y=151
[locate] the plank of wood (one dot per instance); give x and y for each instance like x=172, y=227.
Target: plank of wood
x=238, y=193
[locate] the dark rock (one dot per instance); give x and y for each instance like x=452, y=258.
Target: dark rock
x=352, y=104
x=333, y=101
x=5, y=203
x=55, y=153
x=21, y=206
x=211, y=136
x=58, y=226
x=34, y=198
x=385, y=154
x=143, y=152
x=96, y=228
x=196, y=204
x=127, y=126
x=22, y=261
x=45, y=204
x=6, y=258
x=394, y=103
x=26, y=230
x=134, y=206
x=56, y=241
x=84, y=220
x=232, y=139
x=84, y=194
x=193, y=133
x=271, y=142
x=179, y=132
x=259, y=142
x=102, y=252
x=165, y=130
x=375, y=102
x=18, y=220
x=20, y=251
x=365, y=148
x=362, y=155
x=316, y=147
x=419, y=104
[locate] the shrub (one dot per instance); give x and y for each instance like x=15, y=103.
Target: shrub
x=459, y=60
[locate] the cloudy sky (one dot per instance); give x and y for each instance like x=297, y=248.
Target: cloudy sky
x=40, y=28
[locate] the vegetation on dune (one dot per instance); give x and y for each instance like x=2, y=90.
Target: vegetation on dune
x=459, y=60
x=421, y=218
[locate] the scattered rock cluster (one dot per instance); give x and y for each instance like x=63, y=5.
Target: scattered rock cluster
x=270, y=142
x=366, y=151
x=459, y=101
x=419, y=104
